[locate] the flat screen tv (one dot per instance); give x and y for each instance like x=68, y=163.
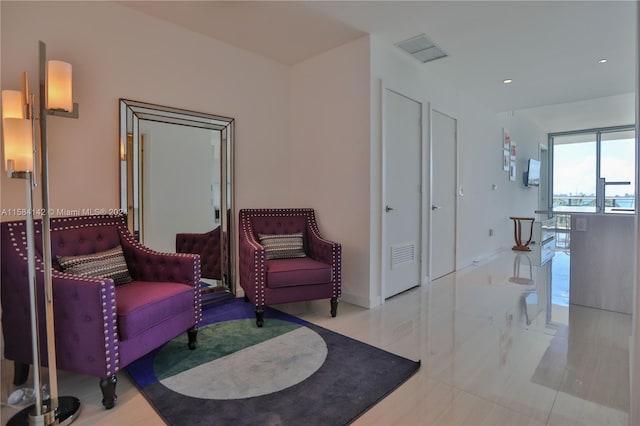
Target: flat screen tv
x=532, y=176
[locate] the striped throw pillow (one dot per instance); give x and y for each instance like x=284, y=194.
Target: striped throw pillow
x=105, y=264
x=282, y=246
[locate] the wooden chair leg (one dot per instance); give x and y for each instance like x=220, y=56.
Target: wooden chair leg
x=259, y=316
x=334, y=306
x=108, y=387
x=192, y=333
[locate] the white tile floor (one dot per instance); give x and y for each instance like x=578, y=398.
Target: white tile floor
x=481, y=363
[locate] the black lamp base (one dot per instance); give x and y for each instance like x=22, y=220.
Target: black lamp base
x=68, y=410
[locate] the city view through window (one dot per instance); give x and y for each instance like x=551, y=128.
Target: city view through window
x=579, y=160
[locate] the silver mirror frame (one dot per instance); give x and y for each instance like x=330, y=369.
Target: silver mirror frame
x=131, y=113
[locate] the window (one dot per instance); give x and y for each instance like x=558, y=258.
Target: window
x=594, y=170
x=575, y=172
x=617, y=167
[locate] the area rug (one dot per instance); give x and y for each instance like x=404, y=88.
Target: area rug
x=289, y=372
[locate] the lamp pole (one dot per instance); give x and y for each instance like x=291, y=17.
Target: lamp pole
x=55, y=410
x=46, y=232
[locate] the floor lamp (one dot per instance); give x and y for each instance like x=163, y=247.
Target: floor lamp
x=21, y=127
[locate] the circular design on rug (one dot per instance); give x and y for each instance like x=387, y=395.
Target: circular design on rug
x=235, y=359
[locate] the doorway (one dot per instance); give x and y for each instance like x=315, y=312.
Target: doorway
x=443, y=194
x=402, y=165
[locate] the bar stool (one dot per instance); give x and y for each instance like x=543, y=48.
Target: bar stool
x=517, y=232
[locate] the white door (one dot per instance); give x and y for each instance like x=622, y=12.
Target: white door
x=443, y=200
x=402, y=164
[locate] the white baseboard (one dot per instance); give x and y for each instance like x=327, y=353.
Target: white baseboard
x=359, y=301
x=482, y=259
x=345, y=297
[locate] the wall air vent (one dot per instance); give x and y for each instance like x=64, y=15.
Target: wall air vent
x=421, y=48
x=402, y=254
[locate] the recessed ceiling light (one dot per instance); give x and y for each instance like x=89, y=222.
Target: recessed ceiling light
x=507, y=81
x=602, y=61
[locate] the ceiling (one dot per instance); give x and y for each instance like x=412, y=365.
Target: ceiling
x=549, y=49
x=285, y=31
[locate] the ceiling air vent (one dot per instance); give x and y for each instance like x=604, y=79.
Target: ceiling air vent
x=421, y=48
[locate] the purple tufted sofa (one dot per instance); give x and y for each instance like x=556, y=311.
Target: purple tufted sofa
x=266, y=282
x=100, y=327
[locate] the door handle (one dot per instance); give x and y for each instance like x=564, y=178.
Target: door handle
x=388, y=209
x=434, y=207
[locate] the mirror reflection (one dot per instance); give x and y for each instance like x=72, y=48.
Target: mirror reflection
x=176, y=185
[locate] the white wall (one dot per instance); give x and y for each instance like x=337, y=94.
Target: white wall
x=330, y=154
x=480, y=168
x=336, y=163
x=634, y=341
x=479, y=157
x=587, y=114
x=528, y=136
x=308, y=135
x=117, y=52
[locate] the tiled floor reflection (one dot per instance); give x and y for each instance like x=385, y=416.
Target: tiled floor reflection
x=493, y=352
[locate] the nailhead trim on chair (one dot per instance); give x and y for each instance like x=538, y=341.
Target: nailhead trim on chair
x=124, y=233
x=120, y=221
x=23, y=253
x=259, y=259
x=66, y=223
x=311, y=218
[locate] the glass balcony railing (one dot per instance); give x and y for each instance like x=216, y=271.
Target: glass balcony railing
x=587, y=204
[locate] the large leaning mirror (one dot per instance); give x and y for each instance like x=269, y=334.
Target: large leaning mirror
x=176, y=186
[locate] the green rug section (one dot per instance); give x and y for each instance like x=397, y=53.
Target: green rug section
x=216, y=341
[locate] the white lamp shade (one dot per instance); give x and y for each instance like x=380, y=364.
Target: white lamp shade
x=59, y=82
x=12, y=105
x=18, y=145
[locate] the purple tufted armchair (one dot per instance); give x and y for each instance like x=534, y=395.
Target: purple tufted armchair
x=100, y=327
x=207, y=245
x=318, y=275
